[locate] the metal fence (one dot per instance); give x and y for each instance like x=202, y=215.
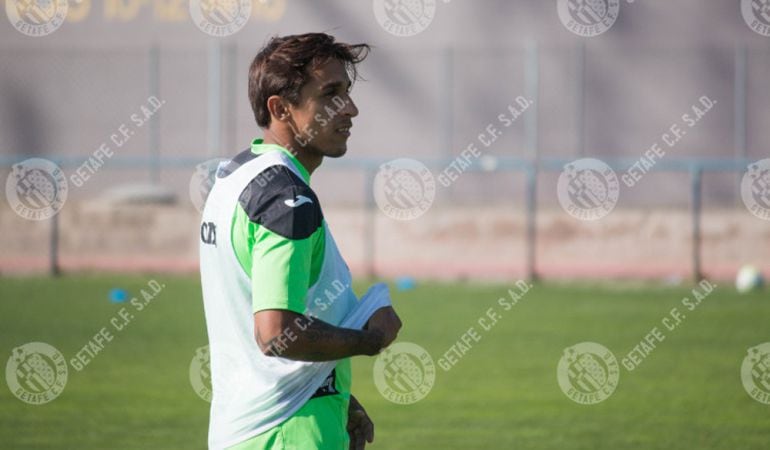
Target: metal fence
x=82, y=96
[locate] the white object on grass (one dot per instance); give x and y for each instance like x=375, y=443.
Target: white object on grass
x=749, y=278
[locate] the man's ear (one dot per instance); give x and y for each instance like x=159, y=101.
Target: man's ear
x=277, y=108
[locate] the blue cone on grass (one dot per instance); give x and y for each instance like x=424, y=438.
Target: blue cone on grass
x=118, y=295
x=405, y=283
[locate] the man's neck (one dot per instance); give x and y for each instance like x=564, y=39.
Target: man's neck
x=309, y=161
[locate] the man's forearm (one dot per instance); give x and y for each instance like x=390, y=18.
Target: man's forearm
x=308, y=339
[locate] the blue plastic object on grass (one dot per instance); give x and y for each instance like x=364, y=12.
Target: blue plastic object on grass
x=118, y=295
x=405, y=283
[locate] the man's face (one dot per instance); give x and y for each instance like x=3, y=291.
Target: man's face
x=322, y=119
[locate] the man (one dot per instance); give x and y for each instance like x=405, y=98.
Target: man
x=281, y=316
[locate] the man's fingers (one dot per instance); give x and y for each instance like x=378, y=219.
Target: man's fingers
x=356, y=432
x=360, y=442
x=355, y=417
x=369, y=431
x=353, y=420
x=355, y=443
x=360, y=428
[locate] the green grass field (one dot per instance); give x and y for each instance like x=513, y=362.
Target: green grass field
x=503, y=393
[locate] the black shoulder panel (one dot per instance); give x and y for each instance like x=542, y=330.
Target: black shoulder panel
x=239, y=160
x=280, y=201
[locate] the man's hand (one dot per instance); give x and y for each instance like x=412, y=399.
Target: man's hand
x=386, y=321
x=360, y=426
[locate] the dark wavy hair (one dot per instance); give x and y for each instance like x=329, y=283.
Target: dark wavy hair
x=284, y=64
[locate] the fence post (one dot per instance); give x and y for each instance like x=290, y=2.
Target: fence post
x=446, y=90
x=154, y=125
x=696, y=185
x=580, y=108
x=231, y=98
x=531, y=263
x=533, y=144
x=447, y=97
x=214, y=116
x=53, y=263
x=740, y=112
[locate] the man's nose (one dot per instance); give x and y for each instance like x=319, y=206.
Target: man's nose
x=350, y=108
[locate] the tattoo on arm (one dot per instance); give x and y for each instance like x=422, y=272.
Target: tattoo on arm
x=306, y=338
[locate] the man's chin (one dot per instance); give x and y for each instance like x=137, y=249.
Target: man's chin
x=336, y=152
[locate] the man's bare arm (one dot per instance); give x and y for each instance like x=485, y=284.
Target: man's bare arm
x=294, y=336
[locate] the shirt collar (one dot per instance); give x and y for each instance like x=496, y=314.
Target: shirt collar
x=258, y=147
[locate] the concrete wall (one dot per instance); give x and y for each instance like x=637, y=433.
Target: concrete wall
x=479, y=243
